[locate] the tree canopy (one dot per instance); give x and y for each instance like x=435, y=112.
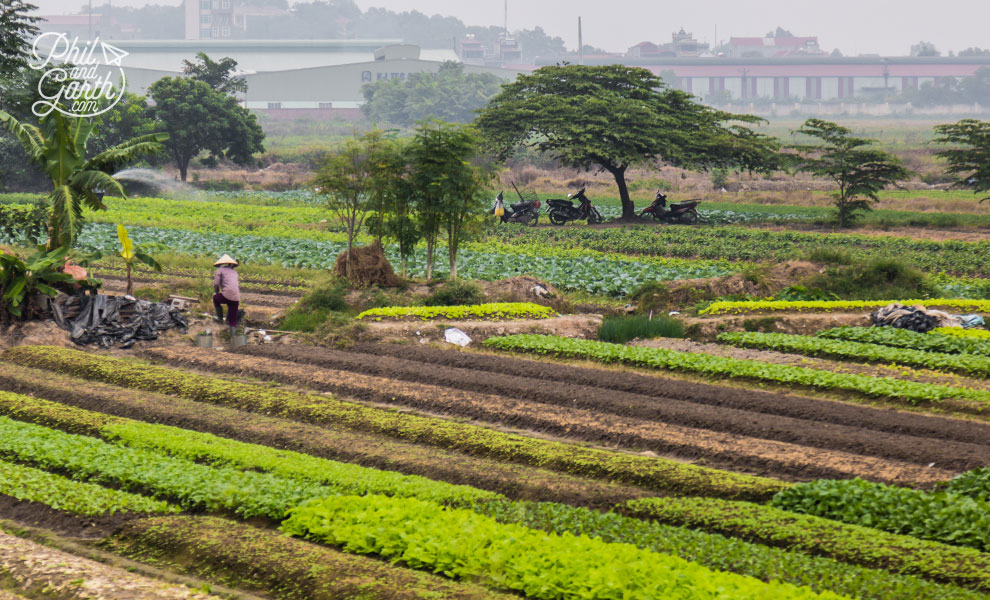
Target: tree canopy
x=450, y=95
x=219, y=75
x=198, y=118
x=859, y=170
x=970, y=158
x=16, y=30
x=615, y=117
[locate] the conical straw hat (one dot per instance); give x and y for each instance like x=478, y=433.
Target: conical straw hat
x=225, y=260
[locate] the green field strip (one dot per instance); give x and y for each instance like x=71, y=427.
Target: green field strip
x=656, y=474
x=278, y=566
x=933, y=341
x=947, y=517
x=966, y=364
x=851, y=544
x=60, y=493
x=694, y=362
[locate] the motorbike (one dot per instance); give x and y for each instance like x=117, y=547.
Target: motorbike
x=526, y=212
x=685, y=213
x=561, y=211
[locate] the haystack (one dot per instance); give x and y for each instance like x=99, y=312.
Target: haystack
x=367, y=266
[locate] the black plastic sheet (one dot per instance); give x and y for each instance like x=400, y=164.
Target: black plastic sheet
x=109, y=320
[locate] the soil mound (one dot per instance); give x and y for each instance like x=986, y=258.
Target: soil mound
x=525, y=289
x=366, y=266
x=758, y=283
x=34, y=333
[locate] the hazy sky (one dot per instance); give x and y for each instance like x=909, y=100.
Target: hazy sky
x=855, y=26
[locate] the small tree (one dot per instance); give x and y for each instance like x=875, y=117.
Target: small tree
x=970, y=158
x=394, y=216
x=199, y=118
x=219, y=75
x=859, y=171
x=446, y=185
x=131, y=252
x=347, y=181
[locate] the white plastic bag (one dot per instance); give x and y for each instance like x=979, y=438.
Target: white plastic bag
x=456, y=336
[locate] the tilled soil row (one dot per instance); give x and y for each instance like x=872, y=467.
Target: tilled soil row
x=518, y=482
x=808, y=409
x=119, y=285
x=725, y=450
x=39, y=569
x=35, y=514
x=947, y=454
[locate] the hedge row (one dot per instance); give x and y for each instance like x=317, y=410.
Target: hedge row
x=748, y=306
x=60, y=493
x=465, y=545
x=968, y=364
x=489, y=312
x=661, y=358
x=942, y=516
x=667, y=476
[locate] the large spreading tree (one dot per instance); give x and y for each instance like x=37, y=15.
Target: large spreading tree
x=199, y=119
x=858, y=169
x=615, y=117
x=17, y=27
x=969, y=158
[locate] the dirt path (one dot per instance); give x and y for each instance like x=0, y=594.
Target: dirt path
x=782, y=358
x=35, y=569
x=777, y=403
x=582, y=326
x=717, y=448
x=518, y=482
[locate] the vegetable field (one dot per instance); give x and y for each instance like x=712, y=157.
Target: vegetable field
x=491, y=475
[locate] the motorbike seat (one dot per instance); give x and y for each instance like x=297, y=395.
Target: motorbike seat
x=560, y=202
x=688, y=204
x=518, y=206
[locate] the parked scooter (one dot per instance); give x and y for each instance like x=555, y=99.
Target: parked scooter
x=685, y=213
x=562, y=211
x=526, y=212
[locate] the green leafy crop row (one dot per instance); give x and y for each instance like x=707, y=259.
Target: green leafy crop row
x=815, y=535
x=87, y=499
x=773, y=561
x=191, y=485
x=904, y=338
x=465, y=545
x=941, y=516
x=660, y=358
x=489, y=312
x=843, y=349
x=667, y=476
x=977, y=334
x=749, y=306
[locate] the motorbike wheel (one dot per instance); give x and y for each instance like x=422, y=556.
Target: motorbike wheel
x=534, y=220
x=689, y=218
x=556, y=218
x=594, y=217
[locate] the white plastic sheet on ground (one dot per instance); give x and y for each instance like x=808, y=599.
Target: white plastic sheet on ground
x=456, y=336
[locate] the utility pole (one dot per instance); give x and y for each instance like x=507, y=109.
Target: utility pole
x=90, y=19
x=580, y=44
x=506, y=18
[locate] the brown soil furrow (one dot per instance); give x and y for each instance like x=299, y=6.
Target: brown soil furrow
x=718, y=448
x=777, y=403
x=947, y=454
x=36, y=514
x=518, y=482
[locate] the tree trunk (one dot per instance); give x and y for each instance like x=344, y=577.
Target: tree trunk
x=130, y=282
x=183, y=167
x=452, y=254
x=429, y=259
x=402, y=263
x=628, y=208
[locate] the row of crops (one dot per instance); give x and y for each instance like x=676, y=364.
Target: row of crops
x=674, y=547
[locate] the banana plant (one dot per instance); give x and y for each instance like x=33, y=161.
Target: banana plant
x=21, y=279
x=58, y=146
x=130, y=252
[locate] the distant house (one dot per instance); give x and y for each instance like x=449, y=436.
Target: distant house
x=771, y=47
x=644, y=50
x=682, y=44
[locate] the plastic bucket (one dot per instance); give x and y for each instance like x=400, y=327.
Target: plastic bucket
x=237, y=340
x=204, y=340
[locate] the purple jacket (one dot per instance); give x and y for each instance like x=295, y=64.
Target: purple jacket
x=225, y=282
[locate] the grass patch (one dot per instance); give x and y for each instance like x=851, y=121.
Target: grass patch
x=620, y=330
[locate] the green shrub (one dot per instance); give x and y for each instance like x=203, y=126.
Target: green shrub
x=319, y=305
x=455, y=293
x=620, y=330
x=875, y=280
x=830, y=256
x=652, y=296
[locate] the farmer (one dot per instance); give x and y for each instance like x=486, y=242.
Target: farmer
x=227, y=290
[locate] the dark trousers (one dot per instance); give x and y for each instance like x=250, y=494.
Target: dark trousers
x=218, y=301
